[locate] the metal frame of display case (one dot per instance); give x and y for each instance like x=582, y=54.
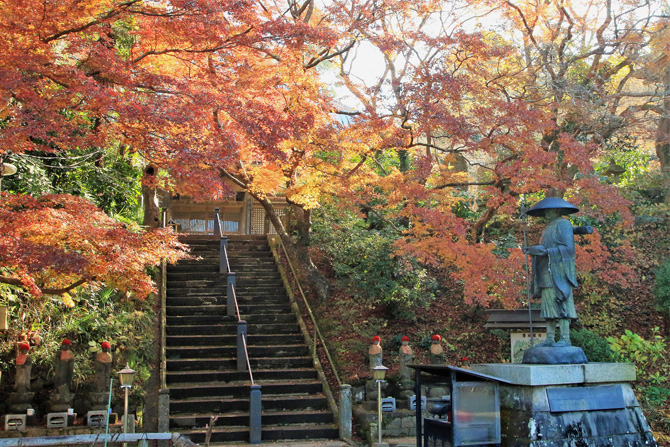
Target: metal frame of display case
x=459, y=430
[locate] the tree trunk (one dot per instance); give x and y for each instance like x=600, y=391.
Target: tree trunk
x=298, y=251
x=152, y=211
x=662, y=142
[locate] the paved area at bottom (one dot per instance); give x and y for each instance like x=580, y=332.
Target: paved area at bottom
x=393, y=442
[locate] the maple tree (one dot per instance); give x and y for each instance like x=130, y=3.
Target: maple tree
x=54, y=243
x=214, y=93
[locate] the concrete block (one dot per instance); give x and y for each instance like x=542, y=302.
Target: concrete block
x=412, y=403
x=97, y=418
x=15, y=422
x=57, y=420
x=609, y=372
x=388, y=404
x=533, y=375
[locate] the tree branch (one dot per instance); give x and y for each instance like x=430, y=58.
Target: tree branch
x=45, y=290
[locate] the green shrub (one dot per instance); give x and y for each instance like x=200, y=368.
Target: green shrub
x=662, y=288
x=594, y=346
x=364, y=259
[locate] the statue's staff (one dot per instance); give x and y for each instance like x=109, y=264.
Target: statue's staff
x=524, y=219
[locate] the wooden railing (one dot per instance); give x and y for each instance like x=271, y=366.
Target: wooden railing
x=233, y=310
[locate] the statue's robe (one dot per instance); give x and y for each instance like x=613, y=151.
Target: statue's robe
x=554, y=274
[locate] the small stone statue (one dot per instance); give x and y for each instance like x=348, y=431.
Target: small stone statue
x=62, y=397
x=64, y=368
x=406, y=356
x=21, y=398
x=375, y=352
x=436, y=350
x=103, y=367
x=24, y=365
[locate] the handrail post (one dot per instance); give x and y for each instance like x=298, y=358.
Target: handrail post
x=241, y=340
x=230, y=295
x=217, y=222
x=223, y=250
x=255, y=426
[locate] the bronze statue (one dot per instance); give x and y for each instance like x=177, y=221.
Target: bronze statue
x=553, y=265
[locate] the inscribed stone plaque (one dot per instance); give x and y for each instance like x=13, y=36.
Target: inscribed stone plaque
x=585, y=398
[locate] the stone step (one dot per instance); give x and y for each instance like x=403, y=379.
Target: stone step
x=201, y=320
x=184, y=306
x=195, y=300
x=221, y=391
x=196, y=291
x=190, y=310
x=230, y=327
x=269, y=402
x=221, y=436
x=241, y=418
x=195, y=364
x=180, y=378
x=194, y=283
x=226, y=351
x=231, y=339
x=195, y=267
x=190, y=276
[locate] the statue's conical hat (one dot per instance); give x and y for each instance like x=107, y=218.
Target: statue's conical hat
x=551, y=203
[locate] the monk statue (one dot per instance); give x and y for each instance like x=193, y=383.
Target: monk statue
x=103, y=367
x=64, y=368
x=436, y=350
x=553, y=267
x=406, y=358
x=24, y=365
x=375, y=352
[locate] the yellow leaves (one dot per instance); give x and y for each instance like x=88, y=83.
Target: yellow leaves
x=67, y=300
x=268, y=179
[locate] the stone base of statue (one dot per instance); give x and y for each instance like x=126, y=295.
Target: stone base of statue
x=99, y=401
x=60, y=402
x=577, y=405
x=407, y=388
x=20, y=402
x=554, y=355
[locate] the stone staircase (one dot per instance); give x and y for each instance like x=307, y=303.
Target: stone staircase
x=201, y=349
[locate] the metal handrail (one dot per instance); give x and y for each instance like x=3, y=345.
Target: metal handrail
x=163, y=313
x=311, y=315
x=251, y=375
x=225, y=251
x=237, y=307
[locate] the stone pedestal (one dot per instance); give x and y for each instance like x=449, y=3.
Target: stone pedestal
x=20, y=402
x=60, y=402
x=578, y=405
x=99, y=401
